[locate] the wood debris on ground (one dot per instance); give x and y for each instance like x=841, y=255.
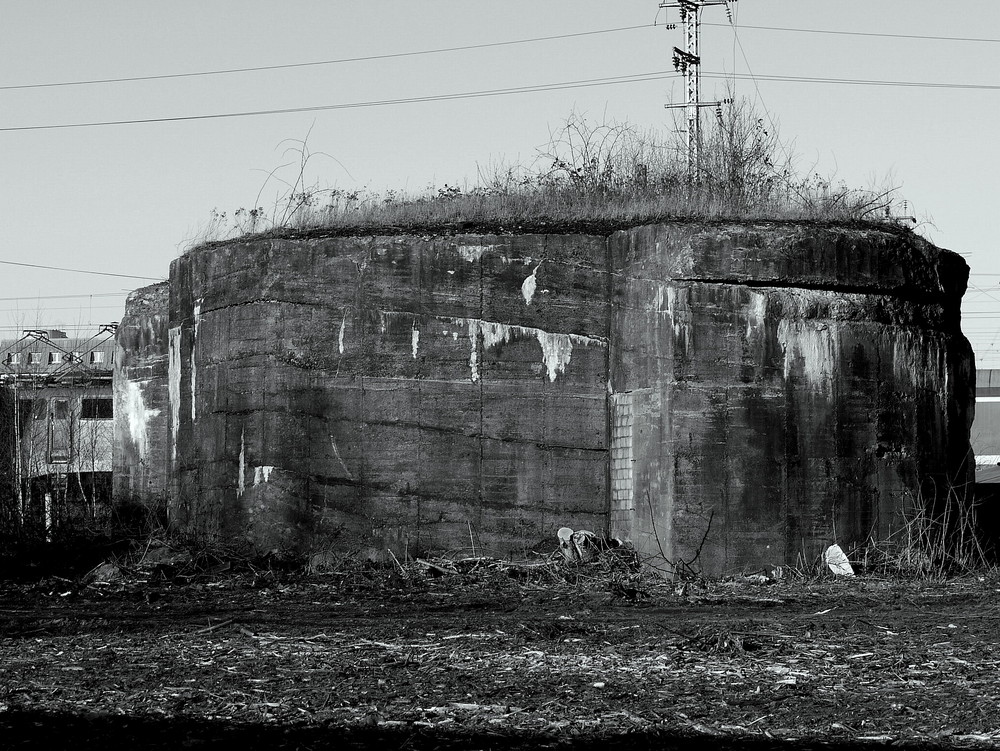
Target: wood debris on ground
x=461, y=647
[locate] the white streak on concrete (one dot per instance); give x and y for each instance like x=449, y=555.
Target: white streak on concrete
x=812, y=344
x=495, y=334
x=241, y=472
x=174, y=385
x=340, y=339
x=474, y=351
x=756, y=313
x=194, y=362
x=336, y=454
x=473, y=252
x=262, y=474
x=557, y=349
x=414, y=340
x=528, y=286
x=138, y=417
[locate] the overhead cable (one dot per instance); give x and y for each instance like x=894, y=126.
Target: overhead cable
x=584, y=83
x=464, y=47
x=285, y=66
x=857, y=81
x=63, y=297
x=80, y=271
x=863, y=33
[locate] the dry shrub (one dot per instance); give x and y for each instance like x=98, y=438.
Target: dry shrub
x=931, y=544
x=610, y=171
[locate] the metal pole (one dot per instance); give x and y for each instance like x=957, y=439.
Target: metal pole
x=690, y=14
x=688, y=62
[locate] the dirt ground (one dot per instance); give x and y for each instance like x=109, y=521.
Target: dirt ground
x=492, y=656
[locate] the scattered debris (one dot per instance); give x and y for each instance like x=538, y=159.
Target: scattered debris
x=546, y=649
x=836, y=559
x=577, y=546
x=105, y=573
x=583, y=546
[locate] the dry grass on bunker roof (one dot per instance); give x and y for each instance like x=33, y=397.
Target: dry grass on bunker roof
x=593, y=177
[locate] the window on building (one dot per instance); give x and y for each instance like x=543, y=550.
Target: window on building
x=55, y=358
x=13, y=358
x=60, y=432
x=34, y=358
x=97, y=409
x=39, y=409
x=96, y=357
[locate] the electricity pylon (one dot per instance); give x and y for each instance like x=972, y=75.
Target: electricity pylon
x=688, y=62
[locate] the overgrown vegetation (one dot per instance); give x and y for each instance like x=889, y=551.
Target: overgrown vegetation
x=932, y=543
x=611, y=173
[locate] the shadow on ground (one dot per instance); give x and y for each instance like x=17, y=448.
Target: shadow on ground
x=47, y=730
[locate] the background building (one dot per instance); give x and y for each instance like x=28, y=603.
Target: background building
x=986, y=447
x=57, y=427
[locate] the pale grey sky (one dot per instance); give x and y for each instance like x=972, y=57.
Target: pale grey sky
x=125, y=198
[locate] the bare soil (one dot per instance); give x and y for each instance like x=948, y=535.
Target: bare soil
x=494, y=656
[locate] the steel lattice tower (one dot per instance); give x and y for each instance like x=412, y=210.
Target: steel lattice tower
x=688, y=62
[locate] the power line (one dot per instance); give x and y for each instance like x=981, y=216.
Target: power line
x=225, y=71
x=460, y=48
x=71, y=326
x=865, y=34
x=535, y=88
x=760, y=97
x=63, y=297
x=80, y=271
x=47, y=309
x=858, y=81
x=584, y=83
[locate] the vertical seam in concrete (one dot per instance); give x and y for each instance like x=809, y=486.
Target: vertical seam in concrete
x=420, y=396
x=482, y=448
x=608, y=416
x=311, y=508
x=362, y=334
x=547, y=455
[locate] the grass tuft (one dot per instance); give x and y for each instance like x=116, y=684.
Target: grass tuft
x=596, y=176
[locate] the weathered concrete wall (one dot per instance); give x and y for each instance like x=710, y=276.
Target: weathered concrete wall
x=398, y=392
x=728, y=396
x=141, y=462
x=781, y=388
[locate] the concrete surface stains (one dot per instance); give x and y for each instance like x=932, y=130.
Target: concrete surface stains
x=138, y=416
x=529, y=284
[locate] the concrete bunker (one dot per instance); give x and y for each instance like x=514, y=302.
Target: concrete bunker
x=724, y=395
